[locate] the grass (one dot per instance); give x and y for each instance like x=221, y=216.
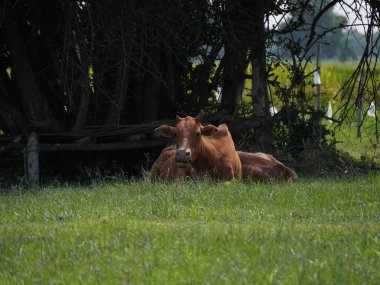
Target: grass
x=311, y=232
x=334, y=75
x=366, y=147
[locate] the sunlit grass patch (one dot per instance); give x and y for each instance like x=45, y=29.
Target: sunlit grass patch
x=142, y=232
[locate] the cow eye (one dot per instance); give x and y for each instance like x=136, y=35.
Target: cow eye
x=198, y=133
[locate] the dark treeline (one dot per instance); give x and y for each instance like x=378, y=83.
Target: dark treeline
x=66, y=65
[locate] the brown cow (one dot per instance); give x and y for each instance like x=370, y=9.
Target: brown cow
x=206, y=150
x=165, y=167
x=255, y=167
x=264, y=167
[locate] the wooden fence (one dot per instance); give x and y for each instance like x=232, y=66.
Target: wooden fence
x=127, y=137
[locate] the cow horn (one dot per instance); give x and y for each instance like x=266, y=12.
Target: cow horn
x=200, y=115
x=178, y=118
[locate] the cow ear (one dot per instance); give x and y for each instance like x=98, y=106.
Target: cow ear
x=165, y=131
x=209, y=130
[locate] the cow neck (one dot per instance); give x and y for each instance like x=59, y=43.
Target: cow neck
x=203, y=153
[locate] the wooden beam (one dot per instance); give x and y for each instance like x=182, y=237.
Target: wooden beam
x=103, y=146
x=15, y=144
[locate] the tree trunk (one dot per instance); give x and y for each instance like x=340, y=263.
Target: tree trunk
x=203, y=85
x=233, y=79
x=260, y=97
x=14, y=120
x=120, y=94
x=236, y=45
x=152, y=86
x=85, y=93
x=170, y=78
x=37, y=109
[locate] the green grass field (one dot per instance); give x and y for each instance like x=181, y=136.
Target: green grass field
x=365, y=148
x=310, y=232
x=334, y=75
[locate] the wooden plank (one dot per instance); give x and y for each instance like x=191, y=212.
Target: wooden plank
x=15, y=144
x=122, y=138
x=103, y=146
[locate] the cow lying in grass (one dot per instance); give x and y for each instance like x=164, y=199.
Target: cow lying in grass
x=260, y=166
x=165, y=167
x=181, y=156
x=200, y=151
x=255, y=167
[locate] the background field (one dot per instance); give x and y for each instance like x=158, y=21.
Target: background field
x=138, y=232
x=334, y=75
x=364, y=148
x=311, y=232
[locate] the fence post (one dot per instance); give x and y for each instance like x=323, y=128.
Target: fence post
x=318, y=81
x=360, y=105
x=32, y=159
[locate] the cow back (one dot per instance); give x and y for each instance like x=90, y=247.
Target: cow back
x=264, y=167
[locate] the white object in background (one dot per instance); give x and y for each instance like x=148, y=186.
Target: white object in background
x=371, y=110
x=218, y=92
x=329, y=112
x=317, y=78
x=77, y=51
x=272, y=110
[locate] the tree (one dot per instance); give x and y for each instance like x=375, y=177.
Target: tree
x=330, y=30
x=35, y=106
x=104, y=63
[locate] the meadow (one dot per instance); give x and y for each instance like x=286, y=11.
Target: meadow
x=365, y=148
x=138, y=232
x=119, y=231
x=334, y=75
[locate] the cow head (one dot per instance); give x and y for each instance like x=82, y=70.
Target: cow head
x=188, y=134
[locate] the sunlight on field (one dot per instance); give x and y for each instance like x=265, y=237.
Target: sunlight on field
x=324, y=232
x=334, y=75
x=364, y=148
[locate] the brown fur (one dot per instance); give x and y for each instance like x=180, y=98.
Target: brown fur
x=166, y=169
x=255, y=167
x=212, y=153
x=264, y=167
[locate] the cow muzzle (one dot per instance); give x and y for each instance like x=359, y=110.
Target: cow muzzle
x=183, y=157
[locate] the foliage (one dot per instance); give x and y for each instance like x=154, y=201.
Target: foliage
x=70, y=65
x=338, y=43
x=334, y=75
x=147, y=60
x=292, y=141
x=138, y=232
x=365, y=148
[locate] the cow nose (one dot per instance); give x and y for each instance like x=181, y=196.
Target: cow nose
x=183, y=155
